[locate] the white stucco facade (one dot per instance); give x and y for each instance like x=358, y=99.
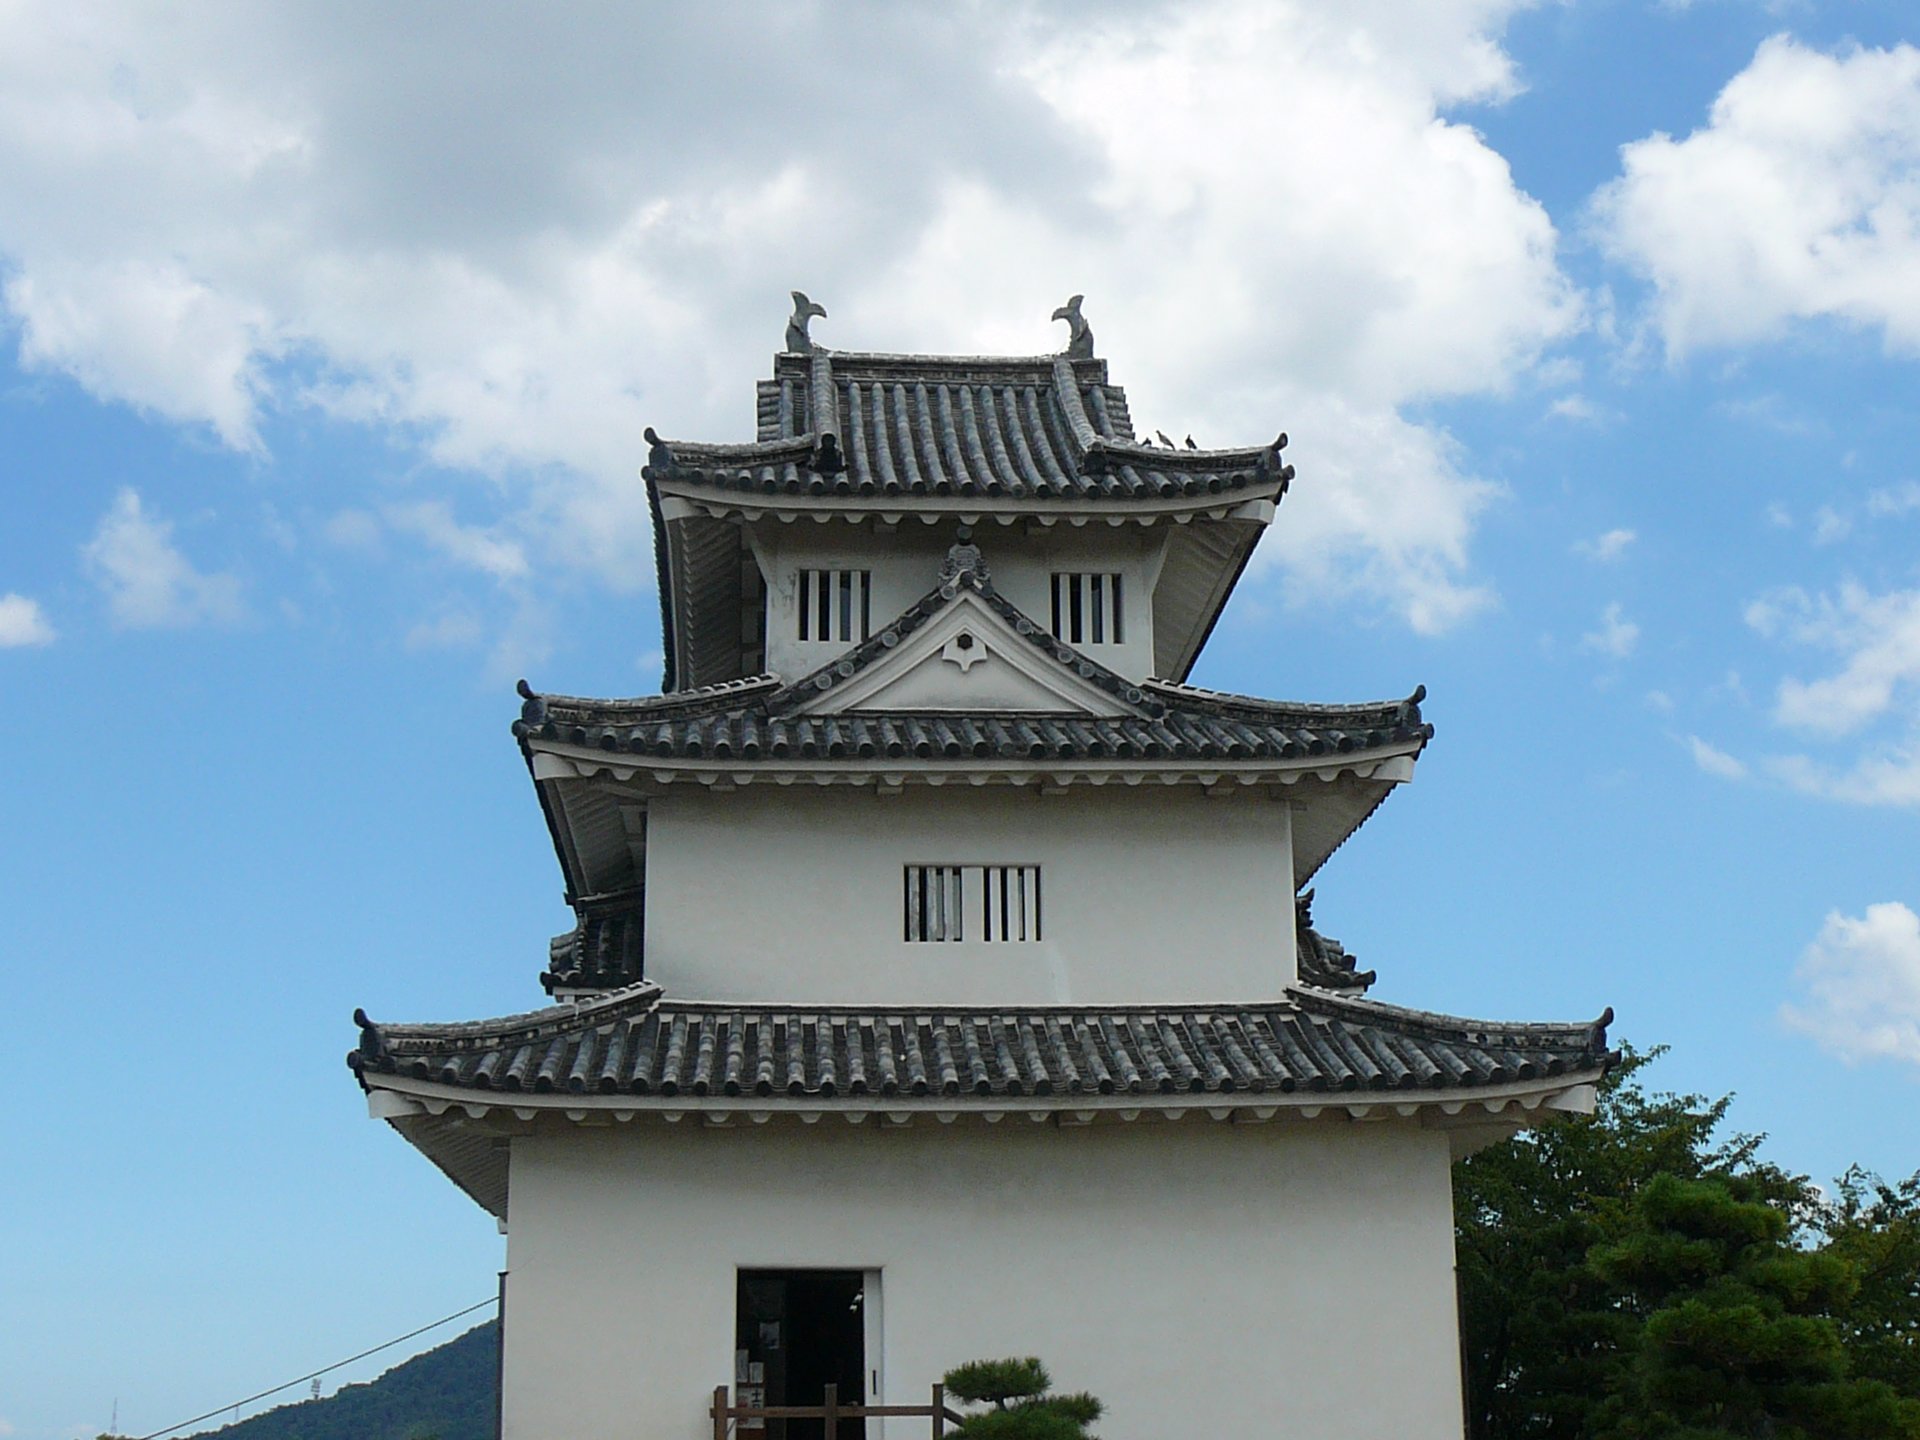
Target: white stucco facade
x=1204, y=1278
x=811, y=909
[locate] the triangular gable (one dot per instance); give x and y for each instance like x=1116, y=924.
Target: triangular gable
x=963, y=649
x=966, y=656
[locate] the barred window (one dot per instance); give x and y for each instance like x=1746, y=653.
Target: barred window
x=1086, y=608
x=934, y=908
x=836, y=605
x=988, y=902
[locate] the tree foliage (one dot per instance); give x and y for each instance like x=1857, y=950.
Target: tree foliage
x=1874, y=1225
x=1016, y=1390
x=1736, y=1334
x=1629, y=1275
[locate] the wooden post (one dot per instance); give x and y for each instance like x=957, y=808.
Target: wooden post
x=719, y=1412
x=939, y=1410
x=830, y=1411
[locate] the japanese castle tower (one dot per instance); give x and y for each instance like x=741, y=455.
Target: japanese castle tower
x=943, y=984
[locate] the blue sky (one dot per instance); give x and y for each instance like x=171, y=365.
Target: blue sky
x=327, y=335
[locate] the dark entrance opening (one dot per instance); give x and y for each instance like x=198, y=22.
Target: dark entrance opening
x=796, y=1332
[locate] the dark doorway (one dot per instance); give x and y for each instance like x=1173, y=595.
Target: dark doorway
x=796, y=1332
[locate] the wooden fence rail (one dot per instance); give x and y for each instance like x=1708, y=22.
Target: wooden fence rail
x=832, y=1412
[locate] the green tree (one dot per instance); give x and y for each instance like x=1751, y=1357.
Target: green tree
x=1016, y=1390
x=1736, y=1334
x=1548, y=1336
x=1543, y=1335
x=1874, y=1225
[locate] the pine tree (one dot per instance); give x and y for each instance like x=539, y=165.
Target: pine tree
x=1737, y=1335
x=1016, y=1389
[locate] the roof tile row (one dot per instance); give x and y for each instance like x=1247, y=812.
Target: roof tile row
x=1043, y=427
x=1311, y=1042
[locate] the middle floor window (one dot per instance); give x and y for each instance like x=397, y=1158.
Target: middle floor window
x=981, y=902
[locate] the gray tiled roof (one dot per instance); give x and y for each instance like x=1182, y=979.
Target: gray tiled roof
x=1024, y=428
x=1319, y=959
x=605, y=948
x=635, y=1042
x=752, y=721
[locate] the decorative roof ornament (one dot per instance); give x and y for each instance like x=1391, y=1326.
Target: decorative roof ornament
x=1322, y=961
x=659, y=457
x=804, y=311
x=827, y=457
x=372, y=1043
x=1079, y=333
x=964, y=558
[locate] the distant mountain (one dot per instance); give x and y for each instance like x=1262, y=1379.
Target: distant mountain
x=444, y=1394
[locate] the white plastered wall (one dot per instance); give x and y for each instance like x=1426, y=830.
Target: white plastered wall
x=1150, y=895
x=906, y=564
x=1204, y=1279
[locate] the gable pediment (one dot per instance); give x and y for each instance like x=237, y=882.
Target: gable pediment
x=968, y=657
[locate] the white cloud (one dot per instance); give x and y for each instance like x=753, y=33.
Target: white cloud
x=1660, y=701
x=1886, y=776
x=1894, y=500
x=1617, y=636
x=1772, y=413
x=1389, y=512
x=472, y=546
x=352, y=530
x=1606, y=548
x=148, y=583
x=518, y=240
x=1830, y=526
x=455, y=630
x=1877, y=638
x=1574, y=407
x=1796, y=200
x=1861, y=986
x=523, y=644
x=22, y=622
x=1715, y=761
x=123, y=329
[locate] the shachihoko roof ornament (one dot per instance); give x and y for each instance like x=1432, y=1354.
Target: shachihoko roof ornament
x=799, y=342
x=1079, y=333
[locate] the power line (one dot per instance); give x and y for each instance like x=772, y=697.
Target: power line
x=235, y=1405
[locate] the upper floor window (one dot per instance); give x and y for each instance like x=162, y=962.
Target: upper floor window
x=982, y=902
x=1087, y=608
x=835, y=605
